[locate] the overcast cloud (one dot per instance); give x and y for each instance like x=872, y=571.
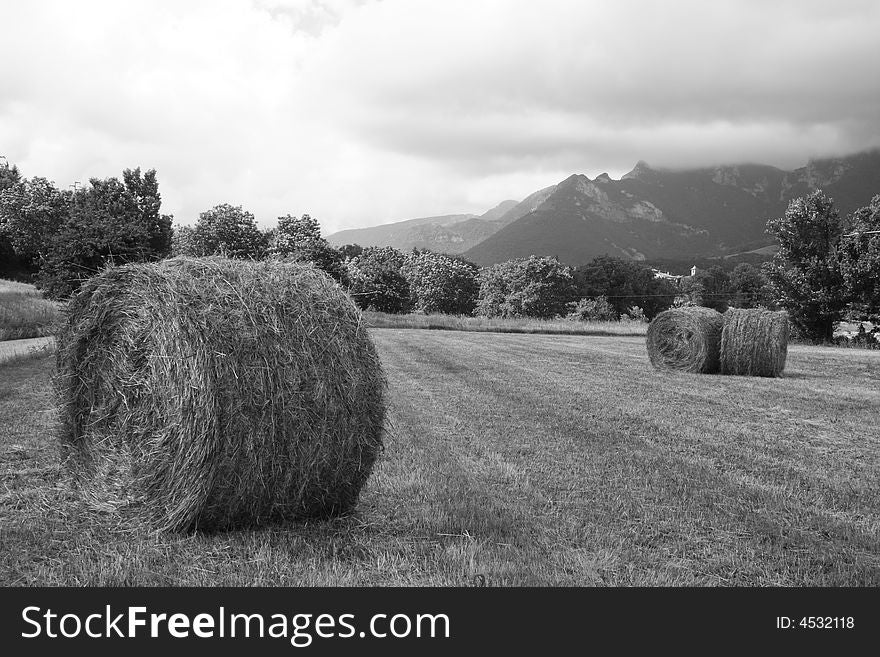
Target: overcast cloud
x=366, y=111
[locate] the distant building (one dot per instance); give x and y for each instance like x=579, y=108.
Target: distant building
x=665, y=275
x=676, y=279
x=673, y=277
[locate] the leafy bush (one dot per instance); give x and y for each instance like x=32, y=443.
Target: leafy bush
x=862, y=339
x=634, y=314
x=591, y=310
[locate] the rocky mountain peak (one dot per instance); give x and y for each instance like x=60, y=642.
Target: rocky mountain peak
x=574, y=180
x=641, y=171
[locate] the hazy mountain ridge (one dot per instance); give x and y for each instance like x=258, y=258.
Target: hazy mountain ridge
x=660, y=213
x=528, y=204
x=454, y=233
x=499, y=211
x=399, y=234
x=649, y=213
x=584, y=218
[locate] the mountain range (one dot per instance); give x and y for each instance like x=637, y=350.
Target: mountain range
x=450, y=233
x=649, y=213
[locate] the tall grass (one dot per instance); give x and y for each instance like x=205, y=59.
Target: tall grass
x=499, y=325
x=16, y=351
x=24, y=313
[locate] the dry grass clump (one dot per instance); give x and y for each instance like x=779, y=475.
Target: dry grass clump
x=214, y=394
x=26, y=314
x=754, y=342
x=17, y=351
x=685, y=339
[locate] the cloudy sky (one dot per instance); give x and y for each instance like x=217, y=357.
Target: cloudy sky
x=361, y=112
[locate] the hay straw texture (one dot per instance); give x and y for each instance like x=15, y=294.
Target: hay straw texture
x=685, y=339
x=754, y=342
x=214, y=394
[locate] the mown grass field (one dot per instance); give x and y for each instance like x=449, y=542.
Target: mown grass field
x=24, y=313
x=520, y=460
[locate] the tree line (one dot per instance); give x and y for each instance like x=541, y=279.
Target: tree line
x=825, y=266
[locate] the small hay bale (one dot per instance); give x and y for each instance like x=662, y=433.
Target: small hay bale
x=685, y=339
x=754, y=342
x=215, y=394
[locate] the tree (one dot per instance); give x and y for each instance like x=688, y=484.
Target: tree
x=71, y=235
x=144, y=190
x=860, y=259
x=109, y=222
x=538, y=286
x=226, y=230
x=712, y=288
x=625, y=283
x=9, y=175
x=299, y=239
x=376, y=282
x=295, y=235
x=183, y=241
x=805, y=272
x=31, y=213
x=10, y=262
x=350, y=250
x=440, y=284
x=749, y=287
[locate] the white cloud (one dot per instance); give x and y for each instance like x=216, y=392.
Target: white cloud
x=361, y=111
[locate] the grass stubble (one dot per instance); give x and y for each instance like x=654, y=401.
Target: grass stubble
x=519, y=460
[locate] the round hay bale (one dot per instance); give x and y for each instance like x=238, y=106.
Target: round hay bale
x=685, y=339
x=214, y=394
x=754, y=342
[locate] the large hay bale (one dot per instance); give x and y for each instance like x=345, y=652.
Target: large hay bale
x=754, y=342
x=685, y=339
x=214, y=394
